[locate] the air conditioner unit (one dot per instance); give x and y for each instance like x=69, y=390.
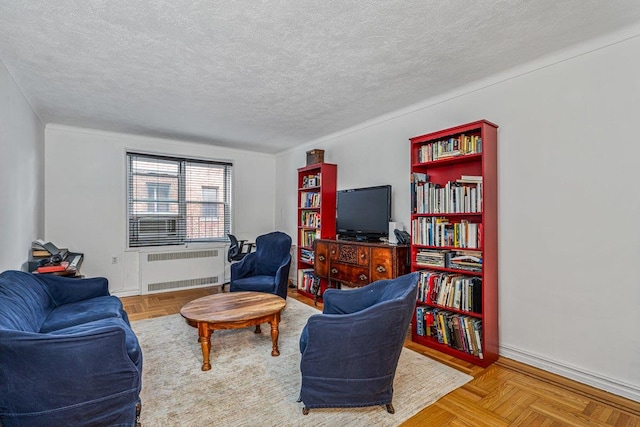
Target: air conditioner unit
x=157, y=227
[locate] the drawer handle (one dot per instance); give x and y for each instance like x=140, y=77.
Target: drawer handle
x=362, y=277
x=321, y=258
x=334, y=270
x=381, y=269
x=362, y=256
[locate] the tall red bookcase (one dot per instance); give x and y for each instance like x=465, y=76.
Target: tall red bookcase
x=316, y=220
x=454, y=240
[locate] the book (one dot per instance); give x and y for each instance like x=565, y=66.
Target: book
x=315, y=285
x=53, y=268
x=40, y=253
x=41, y=246
x=420, y=329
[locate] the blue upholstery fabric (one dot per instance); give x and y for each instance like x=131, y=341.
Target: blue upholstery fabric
x=255, y=283
x=68, y=355
x=25, y=302
x=266, y=269
x=350, y=352
x=82, y=312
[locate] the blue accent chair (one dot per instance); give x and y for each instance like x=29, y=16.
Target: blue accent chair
x=68, y=355
x=266, y=269
x=350, y=352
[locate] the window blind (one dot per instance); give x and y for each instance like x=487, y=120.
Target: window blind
x=173, y=201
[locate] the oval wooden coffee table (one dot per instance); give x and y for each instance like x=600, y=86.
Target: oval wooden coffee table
x=233, y=310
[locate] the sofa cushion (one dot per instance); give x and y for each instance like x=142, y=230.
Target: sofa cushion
x=131, y=341
x=255, y=283
x=64, y=290
x=25, y=302
x=80, y=312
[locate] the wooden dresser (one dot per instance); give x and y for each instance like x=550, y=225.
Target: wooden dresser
x=359, y=263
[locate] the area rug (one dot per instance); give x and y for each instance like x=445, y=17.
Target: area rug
x=246, y=386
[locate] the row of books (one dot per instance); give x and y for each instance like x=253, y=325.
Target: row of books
x=307, y=255
x=62, y=267
x=311, y=180
x=438, y=231
x=42, y=249
x=310, y=200
x=469, y=260
x=307, y=281
x=433, y=258
x=455, y=146
x=47, y=258
x=451, y=290
x=310, y=219
x=461, y=196
x=51, y=259
x=461, y=332
x=307, y=237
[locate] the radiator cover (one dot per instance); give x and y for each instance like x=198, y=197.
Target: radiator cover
x=184, y=269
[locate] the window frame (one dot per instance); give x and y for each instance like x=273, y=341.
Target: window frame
x=171, y=228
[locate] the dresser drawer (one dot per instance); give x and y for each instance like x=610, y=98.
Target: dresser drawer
x=381, y=264
x=349, y=274
x=321, y=262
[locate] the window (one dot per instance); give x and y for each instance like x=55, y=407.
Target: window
x=158, y=196
x=209, y=205
x=172, y=201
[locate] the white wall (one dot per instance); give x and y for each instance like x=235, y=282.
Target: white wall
x=85, y=195
x=21, y=175
x=569, y=234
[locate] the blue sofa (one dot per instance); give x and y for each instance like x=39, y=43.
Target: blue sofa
x=68, y=356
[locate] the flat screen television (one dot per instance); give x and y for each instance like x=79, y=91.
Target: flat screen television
x=363, y=213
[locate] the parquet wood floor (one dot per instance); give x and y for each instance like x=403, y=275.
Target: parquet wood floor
x=507, y=393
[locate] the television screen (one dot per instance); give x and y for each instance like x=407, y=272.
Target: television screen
x=364, y=212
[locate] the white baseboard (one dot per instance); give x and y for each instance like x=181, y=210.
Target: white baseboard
x=121, y=294
x=614, y=386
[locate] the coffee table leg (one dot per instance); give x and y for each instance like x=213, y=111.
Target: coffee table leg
x=204, y=334
x=274, y=335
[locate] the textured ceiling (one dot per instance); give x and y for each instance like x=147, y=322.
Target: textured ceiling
x=269, y=75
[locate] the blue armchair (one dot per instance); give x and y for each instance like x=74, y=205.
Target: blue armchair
x=350, y=352
x=266, y=269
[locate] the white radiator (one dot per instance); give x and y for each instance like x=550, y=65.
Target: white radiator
x=166, y=271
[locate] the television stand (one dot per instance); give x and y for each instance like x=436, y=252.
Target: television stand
x=355, y=263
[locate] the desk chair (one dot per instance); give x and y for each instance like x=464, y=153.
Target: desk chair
x=237, y=250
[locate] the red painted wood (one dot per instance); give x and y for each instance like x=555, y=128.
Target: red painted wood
x=450, y=169
x=327, y=210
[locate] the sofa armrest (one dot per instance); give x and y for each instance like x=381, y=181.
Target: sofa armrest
x=244, y=267
x=65, y=290
x=282, y=277
x=77, y=366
